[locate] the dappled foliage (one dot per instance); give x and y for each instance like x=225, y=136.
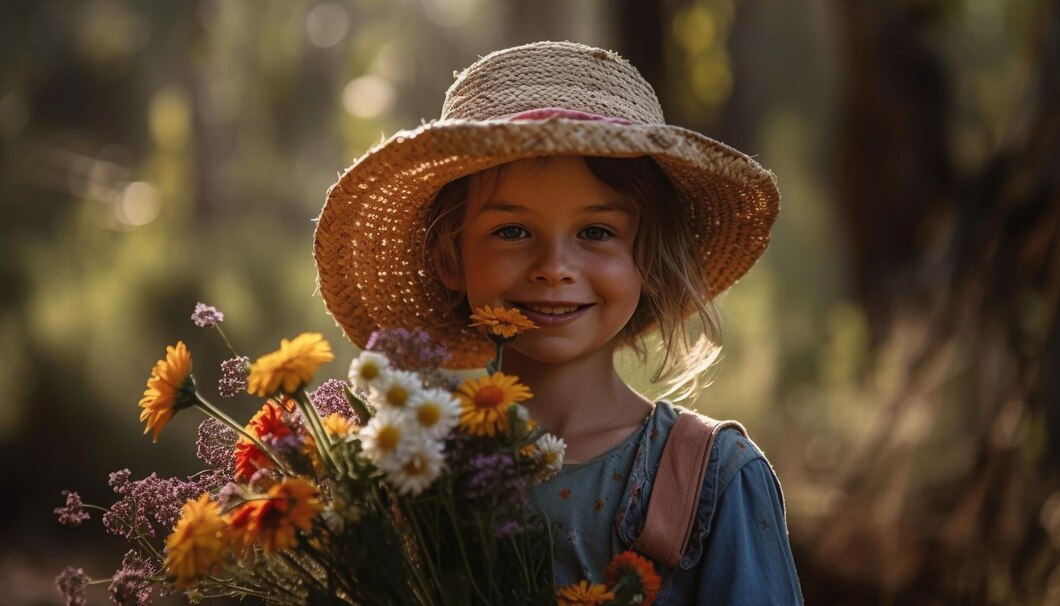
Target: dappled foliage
x=895, y=353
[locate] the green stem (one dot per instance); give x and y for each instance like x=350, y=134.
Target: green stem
x=420, y=586
x=523, y=564
x=471, y=574
x=218, y=414
x=486, y=541
x=500, y=355
x=140, y=538
x=236, y=591
x=421, y=542
x=147, y=545
x=99, y=581
x=227, y=342
x=293, y=562
x=316, y=429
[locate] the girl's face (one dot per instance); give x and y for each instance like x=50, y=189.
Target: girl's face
x=557, y=243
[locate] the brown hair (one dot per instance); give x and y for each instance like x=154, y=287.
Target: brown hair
x=674, y=285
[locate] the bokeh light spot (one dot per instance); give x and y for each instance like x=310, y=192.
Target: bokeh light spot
x=367, y=96
x=326, y=25
x=139, y=204
x=449, y=13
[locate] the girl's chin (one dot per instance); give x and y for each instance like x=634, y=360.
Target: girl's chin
x=547, y=353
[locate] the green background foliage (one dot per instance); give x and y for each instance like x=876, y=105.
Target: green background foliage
x=159, y=154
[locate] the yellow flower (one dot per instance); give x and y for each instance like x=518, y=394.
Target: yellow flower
x=338, y=425
x=291, y=366
x=198, y=541
x=274, y=519
x=484, y=402
x=583, y=594
x=502, y=322
x=170, y=389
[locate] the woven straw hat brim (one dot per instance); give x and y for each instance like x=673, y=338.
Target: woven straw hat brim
x=373, y=270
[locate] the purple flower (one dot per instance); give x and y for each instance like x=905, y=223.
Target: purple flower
x=73, y=513
x=409, y=349
x=330, y=398
x=71, y=585
x=231, y=494
x=489, y=472
x=123, y=519
x=209, y=480
x=495, y=474
x=131, y=584
x=150, y=503
x=507, y=529
x=233, y=379
x=287, y=445
x=215, y=444
x=118, y=480
x=264, y=478
x=206, y=316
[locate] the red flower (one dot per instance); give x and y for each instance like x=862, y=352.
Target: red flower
x=267, y=423
x=634, y=570
x=274, y=520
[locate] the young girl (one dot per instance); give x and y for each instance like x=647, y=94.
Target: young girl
x=552, y=184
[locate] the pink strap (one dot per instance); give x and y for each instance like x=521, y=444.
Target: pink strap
x=675, y=491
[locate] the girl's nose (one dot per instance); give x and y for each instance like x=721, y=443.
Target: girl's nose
x=553, y=264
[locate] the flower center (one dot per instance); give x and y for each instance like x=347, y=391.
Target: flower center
x=489, y=396
x=415, y=466
x=396, y=396
x=388, y=438
x=428, y=415
x=369, y=372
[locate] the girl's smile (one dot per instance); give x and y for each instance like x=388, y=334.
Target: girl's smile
x=554, y=241
x=550, y=313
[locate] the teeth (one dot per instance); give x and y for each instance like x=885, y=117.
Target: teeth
x=555, y=311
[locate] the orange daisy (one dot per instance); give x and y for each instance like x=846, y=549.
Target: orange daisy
x=638, y=571
x=274, y=519
x=198, y=542
x=291, y=366
x=267, y=423
x=502, y=322
x=170, y=389
x=583, y=594
x=484, y=402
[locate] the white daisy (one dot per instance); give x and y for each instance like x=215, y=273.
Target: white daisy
x=387, y=436
x=369, y=370
x=396, y=389
x=552, y=450
x=420, y=465
x=436, y=411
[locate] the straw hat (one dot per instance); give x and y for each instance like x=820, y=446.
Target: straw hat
x=541, y=99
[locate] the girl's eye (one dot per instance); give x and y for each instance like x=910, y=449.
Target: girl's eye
x=510, y=232
x=597, y=233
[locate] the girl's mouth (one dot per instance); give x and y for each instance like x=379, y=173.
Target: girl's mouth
x=552, y=314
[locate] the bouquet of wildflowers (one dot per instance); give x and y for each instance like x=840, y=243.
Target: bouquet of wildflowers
x=400, y=486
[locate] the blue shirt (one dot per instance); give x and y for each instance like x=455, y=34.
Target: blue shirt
x=738, y=552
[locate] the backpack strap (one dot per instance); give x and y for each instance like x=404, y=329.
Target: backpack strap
x=675, y=491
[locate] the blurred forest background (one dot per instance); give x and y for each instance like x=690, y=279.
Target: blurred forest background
x=896, y=353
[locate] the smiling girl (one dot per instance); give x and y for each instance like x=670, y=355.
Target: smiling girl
x=552, y=184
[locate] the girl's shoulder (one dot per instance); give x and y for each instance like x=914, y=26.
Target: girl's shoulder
x=732, y=449
x=732, y=452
